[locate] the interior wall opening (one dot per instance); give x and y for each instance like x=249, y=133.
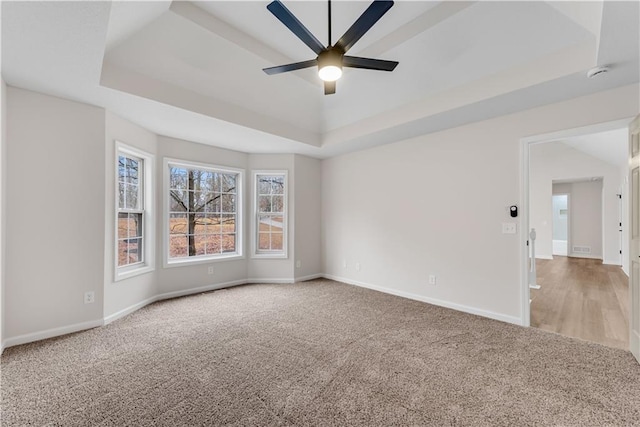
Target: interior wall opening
x=578, y=194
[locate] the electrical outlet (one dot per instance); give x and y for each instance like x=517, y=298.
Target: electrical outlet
x=432, y=279
x=298, y=264
x=89, y=297
x=357, y=266
x=210, y=270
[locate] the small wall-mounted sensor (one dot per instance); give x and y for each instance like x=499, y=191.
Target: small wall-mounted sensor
x=513, y=211
x=596, y=71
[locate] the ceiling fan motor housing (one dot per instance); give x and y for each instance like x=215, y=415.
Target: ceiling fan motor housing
x=332, y=56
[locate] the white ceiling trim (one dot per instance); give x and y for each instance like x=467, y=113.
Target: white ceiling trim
x=144, y=86
x=564, y=62
x=429, y=19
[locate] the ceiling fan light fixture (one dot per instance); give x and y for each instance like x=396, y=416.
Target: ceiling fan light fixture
x=330, y=65
x=330, y=73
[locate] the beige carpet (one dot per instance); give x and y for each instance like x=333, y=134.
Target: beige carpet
x=315, y=353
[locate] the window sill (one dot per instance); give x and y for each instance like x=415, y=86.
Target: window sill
x=124, y=273
x=184, y=262
x=270, y=256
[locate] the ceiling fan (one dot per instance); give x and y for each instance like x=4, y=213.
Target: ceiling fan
x=331, y=59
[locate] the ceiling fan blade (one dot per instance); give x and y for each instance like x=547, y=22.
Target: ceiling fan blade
x=368, y=63
x=290, y=67
x=374, y=12
x=329, y=88
x=291, y=22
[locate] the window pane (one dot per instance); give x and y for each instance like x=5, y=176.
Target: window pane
x=200, y=224
x=200, y=199
x=264, y=223
x=130, y=225
x=271, y=212
x=228, y=203
x=214, y=244
x=177, y=178
x=208, y=199
x=277, y=185
x=178, y=246
x=201, y=245
x=123, y=225
x=131, y=196
x=277, y=203
x=228, y=243
x=121, y=190
x=216, y=183
x=122, y=253
x=213, y=224
x=264, y=203
x=276, y=241
x=228, y=223
x=121, y=169
x=277, y=224
x=134, y=225
x=206, y=181
x=132, y=168
x=191, y=244
x=177, y=201
x=134, y=250
x=263, y=241
x=213, y=202
x=264, y=185
x=178, y=223
x=228, y=183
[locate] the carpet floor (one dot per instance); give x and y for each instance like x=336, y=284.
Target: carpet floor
x=315, y=353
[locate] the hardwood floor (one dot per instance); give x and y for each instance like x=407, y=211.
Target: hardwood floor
x=582, y=298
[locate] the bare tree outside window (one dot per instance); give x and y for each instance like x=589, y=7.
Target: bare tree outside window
x=202, y=212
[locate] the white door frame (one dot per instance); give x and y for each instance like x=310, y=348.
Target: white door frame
x=525, y=144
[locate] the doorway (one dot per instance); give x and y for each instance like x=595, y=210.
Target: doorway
x=560, y=241
x=584, y=290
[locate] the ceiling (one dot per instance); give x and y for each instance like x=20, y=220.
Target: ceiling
x=611, y=147
x=193, y=70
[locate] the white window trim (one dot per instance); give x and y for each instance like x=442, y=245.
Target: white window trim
x=148, y=236
x=202, y=259
x=284, y=254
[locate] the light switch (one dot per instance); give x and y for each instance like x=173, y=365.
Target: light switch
x=508, y=228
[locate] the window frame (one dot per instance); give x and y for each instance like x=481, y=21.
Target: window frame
x=270, y=254
x=202, y=259
x=146, y=193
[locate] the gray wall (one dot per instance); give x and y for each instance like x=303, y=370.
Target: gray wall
x=55, y=212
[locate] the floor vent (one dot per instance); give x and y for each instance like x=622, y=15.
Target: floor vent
x=582, y=249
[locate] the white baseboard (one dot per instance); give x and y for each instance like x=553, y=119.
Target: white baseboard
x=428, y=300
x=309, y=277
x=118, y=314
x=578, y=255
x=270, y=281
x=50, y=333
x=608, y=262
x=191, y=291
x=168, y=295
x=544, y=256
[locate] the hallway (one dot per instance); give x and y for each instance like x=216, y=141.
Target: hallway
x=582, y=298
